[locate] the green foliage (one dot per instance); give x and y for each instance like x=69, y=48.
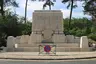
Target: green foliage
x=6, y=3
x=93, y=29
x=90, y=8
x=12, y=25
x=26, y=28
x=80, y=27
x=92, y=36
x=70, y=3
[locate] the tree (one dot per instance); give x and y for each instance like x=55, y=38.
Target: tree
x=48, y=2
x=79, y=27
x=90, y=8
x=13, y=25
x=26, y=28
x=5, y=3
x=70, y=3
x=8, y=27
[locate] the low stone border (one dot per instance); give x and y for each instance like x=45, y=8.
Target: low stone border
x=66, y=56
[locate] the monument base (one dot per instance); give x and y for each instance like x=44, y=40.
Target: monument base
x=47, y=29
x=66, y=47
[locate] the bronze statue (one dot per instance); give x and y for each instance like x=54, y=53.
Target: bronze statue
x=49, y=3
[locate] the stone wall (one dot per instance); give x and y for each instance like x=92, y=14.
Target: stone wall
x=77, y=40
x=59, y=38
x=17, y=39
x=70, y=38
x=47, y=20
x=35, y=38
x=24, y=39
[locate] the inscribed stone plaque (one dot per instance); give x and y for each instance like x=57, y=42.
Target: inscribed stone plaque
x=47, y=20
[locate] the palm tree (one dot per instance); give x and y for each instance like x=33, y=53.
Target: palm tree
x=5, y=3
x=70, y=3
x=26, y=10
x=49, y=3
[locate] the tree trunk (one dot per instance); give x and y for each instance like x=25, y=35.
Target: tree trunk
x=26, y=10
x=71, y=13
x=2, y=8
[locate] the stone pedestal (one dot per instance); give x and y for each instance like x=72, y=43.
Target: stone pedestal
x=47, y=23
x=84, y=43
x=47, y=19
x=10, y=43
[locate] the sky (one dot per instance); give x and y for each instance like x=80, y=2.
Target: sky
x=58, y=5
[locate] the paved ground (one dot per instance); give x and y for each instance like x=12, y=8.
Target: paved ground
x=36, y=56
x=48, y=62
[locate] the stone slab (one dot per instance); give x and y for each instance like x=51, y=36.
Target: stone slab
x=27, y=49
x=17, y=39
x=77, y=39
x=67, y=49
x=35, y=38
x=10, y=43
x=58, y=49
x=84, y=43
x=70, y=39
x=24, y=39
x=47, y=20
x=57, y=45
x=59, y=38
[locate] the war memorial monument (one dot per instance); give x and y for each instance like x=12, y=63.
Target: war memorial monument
x=47, y=36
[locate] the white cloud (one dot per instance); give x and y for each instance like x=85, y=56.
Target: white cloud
x=35, y=6
x=79, y=15
x=31, y=5
x=58, y=6
x=65, y=12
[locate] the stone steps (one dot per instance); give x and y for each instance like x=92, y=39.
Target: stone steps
x=57, y=45
x=27, y=49
x=67, y=49
x=58, y=49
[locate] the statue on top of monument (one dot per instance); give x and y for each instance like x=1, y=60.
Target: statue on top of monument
x=49, y=3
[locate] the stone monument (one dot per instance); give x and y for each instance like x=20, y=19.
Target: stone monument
x=47, y=23
x=47, y=29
